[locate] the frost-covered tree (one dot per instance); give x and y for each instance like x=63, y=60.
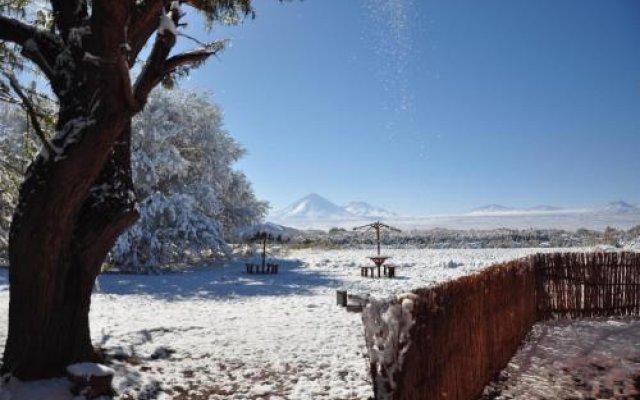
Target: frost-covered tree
x=239, y=205
x=77, y=196
x=18, y=148
x=189, y=193
x=15, y=150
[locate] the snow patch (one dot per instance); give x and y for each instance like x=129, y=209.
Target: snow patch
x=88, y=370
x=167, y=25
x=91, y=58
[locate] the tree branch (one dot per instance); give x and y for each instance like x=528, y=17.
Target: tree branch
x=34, y=42
x=12, y=30
x=28, y=106
x=192, y=58
x=69, y=13
x=143, y=24
x=146, y=15
x=153, y=71
x=214, y=10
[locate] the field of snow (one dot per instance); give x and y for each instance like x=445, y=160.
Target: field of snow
x=588, y=359
x=219, y=333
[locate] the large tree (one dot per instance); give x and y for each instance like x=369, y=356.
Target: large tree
x=77, y=196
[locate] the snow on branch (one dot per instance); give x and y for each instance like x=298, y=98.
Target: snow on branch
x=159, y=67
x=144, y=23
x=153, y=71
x=145, y=17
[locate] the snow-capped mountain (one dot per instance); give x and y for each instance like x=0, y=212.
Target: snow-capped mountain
x=497, y=208
x=316, y=207
x=544, y=207
x=316, y=212
x=614, y=208
x=620, y=207
x=362, y=209
x=311, y=207
x=489, y=208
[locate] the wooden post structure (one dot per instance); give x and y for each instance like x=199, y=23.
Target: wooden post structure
x=377, y=227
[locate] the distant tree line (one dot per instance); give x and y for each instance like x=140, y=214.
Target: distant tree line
x=439, y=238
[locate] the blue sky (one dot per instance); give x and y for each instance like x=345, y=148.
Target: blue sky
x=431, y=107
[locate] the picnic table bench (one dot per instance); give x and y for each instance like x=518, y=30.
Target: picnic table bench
x=267, y=268
x=370, y=270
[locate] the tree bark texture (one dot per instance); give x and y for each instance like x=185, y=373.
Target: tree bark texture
x=78, y=196
x=73, y=204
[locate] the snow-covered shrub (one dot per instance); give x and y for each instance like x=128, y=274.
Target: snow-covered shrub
x=387, y=326
x=633, y=244
x=171, y=229
x=189, y=194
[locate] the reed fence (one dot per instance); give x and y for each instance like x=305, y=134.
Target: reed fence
x=466, y=330
x=583, y=285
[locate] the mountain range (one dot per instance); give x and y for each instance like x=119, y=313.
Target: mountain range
x=489, y=208
x=614, y=207
x=316, y=207
x=316, y=212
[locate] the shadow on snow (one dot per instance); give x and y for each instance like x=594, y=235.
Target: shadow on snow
x=220, y=280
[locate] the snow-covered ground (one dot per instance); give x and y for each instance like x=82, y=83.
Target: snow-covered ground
x=587, y=359
x=219, y=333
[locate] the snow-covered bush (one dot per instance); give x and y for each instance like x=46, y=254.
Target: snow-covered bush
x=189, y=194
x=387, y=325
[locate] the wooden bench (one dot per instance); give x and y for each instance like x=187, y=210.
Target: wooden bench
x=389, y=271
x=268, y=268
x=368, y=270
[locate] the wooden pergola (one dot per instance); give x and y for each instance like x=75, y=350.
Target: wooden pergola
x=377, y=227
x=378, y=259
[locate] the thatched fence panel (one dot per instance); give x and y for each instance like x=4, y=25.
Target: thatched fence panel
x=465, y=331
x=583, y=285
